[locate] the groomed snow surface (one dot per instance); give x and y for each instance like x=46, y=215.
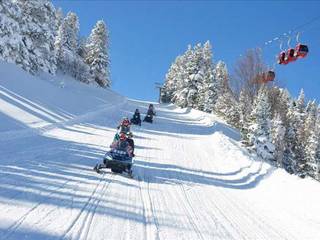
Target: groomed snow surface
x=192, y=179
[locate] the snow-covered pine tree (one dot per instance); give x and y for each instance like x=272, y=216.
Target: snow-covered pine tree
x=207, y=91
x=37, y=26
x=185, y=94
x=260, y=126
x=221, y=79
x=66, y=44
x=283, y=104
x=294, y=158
x=190, y=80
x=290, y=139
x=226, y=104
x=171, y=82
x=97, y=54
x=300, y=103
x=245, y=108
x=301, y=135
x=273, y=96
x=313, y=152
x=310, y=140
x=58, y=19
x=10, y=37
x=81, y=50
x=227, y=107
x=278, y=135
x=310, y=119
x=179, y=96
x=194, y=68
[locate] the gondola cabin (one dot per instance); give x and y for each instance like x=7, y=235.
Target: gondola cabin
x=281, y=58
x=301, y=51
x=290, y=55
x=264, y=77
x=269, y=76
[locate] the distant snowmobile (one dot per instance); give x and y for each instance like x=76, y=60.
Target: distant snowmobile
x=148, y=118
x=136, y=118
x=150, y=114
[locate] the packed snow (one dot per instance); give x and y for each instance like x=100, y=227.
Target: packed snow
x=192, y=179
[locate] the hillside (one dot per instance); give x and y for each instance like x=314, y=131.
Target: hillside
x=192, y=179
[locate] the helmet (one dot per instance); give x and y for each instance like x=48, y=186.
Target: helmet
x=129, y=135
x=123, y=137
x=125, y=122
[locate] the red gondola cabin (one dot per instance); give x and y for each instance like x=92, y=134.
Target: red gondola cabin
x=290, y=55
x=281, y=58
x=264, y=77
x=301, y=51
x=269, y=76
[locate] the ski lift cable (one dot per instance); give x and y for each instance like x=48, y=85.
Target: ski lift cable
x=298, y=30
x=290, y=32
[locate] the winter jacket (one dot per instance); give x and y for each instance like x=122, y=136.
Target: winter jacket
x=123, y=146
x=131, y=143
x=136, y=116
x=150, y=112
x=123, y=129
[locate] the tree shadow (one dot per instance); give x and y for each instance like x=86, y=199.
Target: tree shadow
x=173, y=174
x=149, y=148
x=31, y=107
x=27, y=234
x=62, y=178
x=200, y=171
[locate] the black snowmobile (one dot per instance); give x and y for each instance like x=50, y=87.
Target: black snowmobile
x=136, y=120
x=118, y=161
x=149, y=117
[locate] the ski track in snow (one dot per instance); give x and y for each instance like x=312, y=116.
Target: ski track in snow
x=151, y=225
x=16, y=225
x=87, y=212
x=191, y=181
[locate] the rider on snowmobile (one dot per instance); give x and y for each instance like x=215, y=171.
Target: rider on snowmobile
x=130, y=141
x=124, y=126
x=151, y=110
x=150, y=114
x=123, y=145
x=136, y=118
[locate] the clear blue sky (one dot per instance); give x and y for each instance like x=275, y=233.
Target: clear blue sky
x=146, y=36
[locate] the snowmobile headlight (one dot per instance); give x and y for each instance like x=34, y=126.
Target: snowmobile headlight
x=108, y=156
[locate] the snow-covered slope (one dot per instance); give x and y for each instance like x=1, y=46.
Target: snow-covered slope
x=29, y=102
x=192, y=179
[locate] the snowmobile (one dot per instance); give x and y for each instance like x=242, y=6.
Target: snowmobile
x=135, y=121
x=118, y=161
x=148, y=118
x=150, y=114
x=136, y=118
